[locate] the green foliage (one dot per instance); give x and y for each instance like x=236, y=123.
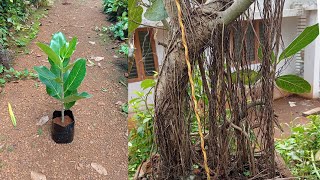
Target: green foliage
x=304, y=39
x=156, y=11
x=141, y=138
x=120, y=29
x=61, y=82
x=117, y=11
x=124, y=49
x=7, y=75
x=135, y=15
x=115, y=8
x=14, y=14
x=299, y=149
x=293, y=84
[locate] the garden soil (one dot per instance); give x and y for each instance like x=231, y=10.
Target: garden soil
x=99, y=149
x=289, y=111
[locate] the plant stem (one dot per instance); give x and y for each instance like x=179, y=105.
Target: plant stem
x=62, y=96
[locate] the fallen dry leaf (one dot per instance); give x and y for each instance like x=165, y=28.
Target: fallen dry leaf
x=99, y=168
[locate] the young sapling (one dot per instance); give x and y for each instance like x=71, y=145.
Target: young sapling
x=63, y=78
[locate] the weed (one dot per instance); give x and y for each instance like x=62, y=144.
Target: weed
x=298, y=149
x=10, y=148
x=7, y=75
x=40, y=131
x=141, y=138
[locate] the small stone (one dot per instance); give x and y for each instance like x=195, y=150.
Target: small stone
x=115, y=56
x=38, y=55
x=43, y=121
x=99, y=168
x=99, y=64
x=37, y=176
x=97, y=59
x=292, y=104
x=92, y=42
x=119, y=103
x=101, y=104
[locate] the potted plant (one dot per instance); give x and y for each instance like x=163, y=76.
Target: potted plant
x=62, y=81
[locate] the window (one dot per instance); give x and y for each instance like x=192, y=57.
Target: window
x=146, y=61
x=251, y=42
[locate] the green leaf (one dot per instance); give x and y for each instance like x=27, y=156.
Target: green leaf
x=293, y=84
x=57, y=42
x=69, y=105
x=75, y=97
x=135, y=15
x=156, y=11
x=2, y=81
x=147, y=83
x=71, y=48
x=1, y=68
x=76, y=75
x=45, y=72
x=51, y=54
x=305, y=38
x=53, y=88
x=68, y=67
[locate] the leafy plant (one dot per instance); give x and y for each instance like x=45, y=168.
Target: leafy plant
x=141, y=138
x=63, y=78
x=120, y=29
x=301, y=151
x=14, y=14
x=115, y=8
x=7, y=75
x=124, y=49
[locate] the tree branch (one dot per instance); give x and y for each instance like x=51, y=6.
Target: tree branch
x=234, y=11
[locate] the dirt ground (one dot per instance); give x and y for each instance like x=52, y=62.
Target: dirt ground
x=289, y=116
x=100, y=128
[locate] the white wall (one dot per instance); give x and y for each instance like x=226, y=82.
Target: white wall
x=289, y=32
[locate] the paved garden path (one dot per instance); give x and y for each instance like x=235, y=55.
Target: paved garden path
x=101, y=129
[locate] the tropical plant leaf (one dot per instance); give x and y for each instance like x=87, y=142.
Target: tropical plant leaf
x=69, y=105
x=134, y=15
x=12, y=117
x=45, y=72
x=57, y=42
x=51, y=54
x=156, y=11
x=304, y=39
x=75, y=97
x=71, y=47
x=293, y=84
x=147, y=83
x=76, y=75
x=53, y=88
